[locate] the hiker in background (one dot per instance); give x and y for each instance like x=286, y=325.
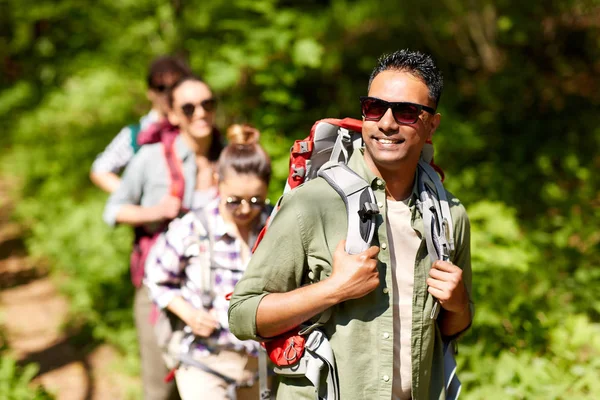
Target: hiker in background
x=198, y=261
x=163, y=179
x=163, y=72
x=385, y=341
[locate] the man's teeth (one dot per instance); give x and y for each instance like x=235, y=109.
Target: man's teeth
x=387, y=141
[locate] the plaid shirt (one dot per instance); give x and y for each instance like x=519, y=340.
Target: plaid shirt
x=175, y=268
x=120, y=151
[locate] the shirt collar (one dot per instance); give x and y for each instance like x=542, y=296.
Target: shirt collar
x=182, y=150
x=357, y=164
x=220, y=228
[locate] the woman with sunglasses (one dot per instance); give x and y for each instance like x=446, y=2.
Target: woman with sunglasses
x=197, y=263
x=161, y=180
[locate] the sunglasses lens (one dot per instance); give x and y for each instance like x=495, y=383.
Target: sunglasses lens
x=160, y=88
x=188, y=109
x=373, y=108
x=209, y=105
x=257, y=203
x=233, y=203
x=406, y=113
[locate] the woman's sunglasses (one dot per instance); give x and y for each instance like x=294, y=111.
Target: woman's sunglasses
x=234, y=202
x=208, y=105
x=373, y=109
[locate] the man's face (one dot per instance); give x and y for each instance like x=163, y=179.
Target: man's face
x=158, y=93
x=193, y=109
x=389, y=146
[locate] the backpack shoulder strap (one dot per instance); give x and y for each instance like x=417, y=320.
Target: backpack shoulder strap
x=175, y=170
x=134, y=130
x=360, y=202
x=435, y=209
x=361, y=208
x=208, y=262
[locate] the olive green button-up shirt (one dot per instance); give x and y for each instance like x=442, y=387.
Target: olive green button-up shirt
x=298, y=250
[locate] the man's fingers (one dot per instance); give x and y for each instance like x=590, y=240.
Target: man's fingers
x=434, y=283
x=445, y=266
x=437, y=293
x=371, y=252
x=441, y=275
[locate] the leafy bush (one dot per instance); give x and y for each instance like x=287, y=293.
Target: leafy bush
x=15, y=381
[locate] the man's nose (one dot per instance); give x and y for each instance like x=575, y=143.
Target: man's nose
x=388, y=122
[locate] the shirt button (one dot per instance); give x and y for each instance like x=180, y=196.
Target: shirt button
x=383, y=246
x=386, y=335
x=386, y=290
x=386, y=378
x=379, y=182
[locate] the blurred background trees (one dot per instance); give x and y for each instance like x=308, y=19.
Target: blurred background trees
x=519, y=141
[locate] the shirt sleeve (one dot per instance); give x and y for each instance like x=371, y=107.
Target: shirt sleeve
x=277, y=266
x=165, y=263
x=117, y=154
x=130, y=189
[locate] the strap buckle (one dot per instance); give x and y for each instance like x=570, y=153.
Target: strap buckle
x=302, y=147
x=367, y=211
x=299, y=172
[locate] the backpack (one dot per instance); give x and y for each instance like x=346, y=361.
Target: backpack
x=144, y=240
x=325, y=153
x=134, y=130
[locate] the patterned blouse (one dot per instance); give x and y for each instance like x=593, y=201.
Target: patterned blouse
x=175, y=267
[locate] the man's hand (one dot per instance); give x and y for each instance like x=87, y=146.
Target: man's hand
x=203, y=323
x=168, y=208
x=446, y=284
x=354, y=276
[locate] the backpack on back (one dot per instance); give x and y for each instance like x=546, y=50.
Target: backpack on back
x=324, y=153
x=144, y=240
x=134, y=131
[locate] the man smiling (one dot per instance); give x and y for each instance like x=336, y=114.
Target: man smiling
x=385, y=344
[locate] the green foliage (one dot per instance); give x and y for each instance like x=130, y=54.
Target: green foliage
x=15, y=381
x=519, y=142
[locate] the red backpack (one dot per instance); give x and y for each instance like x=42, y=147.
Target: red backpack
x=144, y=240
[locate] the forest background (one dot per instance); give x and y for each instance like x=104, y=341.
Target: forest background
x=519, y=141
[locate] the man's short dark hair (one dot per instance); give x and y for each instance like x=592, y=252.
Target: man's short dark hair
x=164, y=66
x=416, y=63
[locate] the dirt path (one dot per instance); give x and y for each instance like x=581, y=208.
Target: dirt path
x=32, y=313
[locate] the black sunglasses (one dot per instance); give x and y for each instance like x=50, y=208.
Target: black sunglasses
x=160, y=88
x=373, y=109
x=234, y=202
x=208, y=105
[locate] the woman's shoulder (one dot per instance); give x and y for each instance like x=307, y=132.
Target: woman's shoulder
x=149, y=151
x=190, y=224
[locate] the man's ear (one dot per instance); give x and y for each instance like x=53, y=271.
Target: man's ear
x=434, y=122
